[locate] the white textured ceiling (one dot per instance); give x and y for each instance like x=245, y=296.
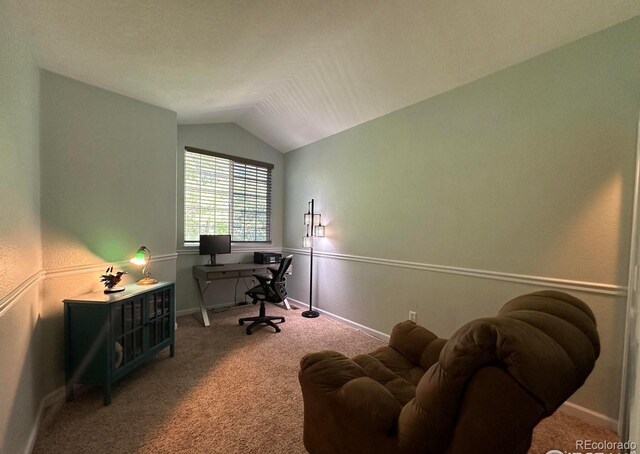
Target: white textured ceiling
x=295, y=71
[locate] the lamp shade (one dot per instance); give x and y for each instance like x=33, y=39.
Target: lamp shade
x=139, y=259
x=307, y=241
x=318, y=231
x=307, y=218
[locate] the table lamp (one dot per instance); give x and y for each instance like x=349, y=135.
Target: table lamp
x=141, y=259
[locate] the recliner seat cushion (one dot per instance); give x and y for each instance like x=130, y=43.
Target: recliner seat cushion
x=401, y=388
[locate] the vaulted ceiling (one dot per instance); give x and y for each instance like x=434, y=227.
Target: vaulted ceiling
x=295, y=71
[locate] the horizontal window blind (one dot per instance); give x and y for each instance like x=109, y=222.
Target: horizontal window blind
x=223, y=197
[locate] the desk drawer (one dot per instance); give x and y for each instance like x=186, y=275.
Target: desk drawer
x=222, y=275
x=249, y=273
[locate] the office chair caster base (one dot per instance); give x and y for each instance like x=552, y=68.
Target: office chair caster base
x=310, y=314
x=260, y=320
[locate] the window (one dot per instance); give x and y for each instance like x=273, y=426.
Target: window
x=226, y=195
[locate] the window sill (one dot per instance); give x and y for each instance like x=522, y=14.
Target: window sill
x=236, y=248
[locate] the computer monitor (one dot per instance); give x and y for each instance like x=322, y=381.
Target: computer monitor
x=215, y=244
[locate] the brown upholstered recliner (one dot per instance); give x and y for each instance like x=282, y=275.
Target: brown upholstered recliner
x=482, y=391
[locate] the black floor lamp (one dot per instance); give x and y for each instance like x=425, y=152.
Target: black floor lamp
x=315, y=228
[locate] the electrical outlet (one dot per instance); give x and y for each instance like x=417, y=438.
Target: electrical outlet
x=413, y=315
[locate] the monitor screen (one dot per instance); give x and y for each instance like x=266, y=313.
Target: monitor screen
x=215, y=244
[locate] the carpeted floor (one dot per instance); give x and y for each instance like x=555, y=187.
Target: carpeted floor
x=226, y=392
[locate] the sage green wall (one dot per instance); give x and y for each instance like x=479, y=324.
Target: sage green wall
x=527, y=171
x=230, y=139
x=20, y=259
x=20, y=169
x=108, y=186
x=92, y=174
x=108, y=174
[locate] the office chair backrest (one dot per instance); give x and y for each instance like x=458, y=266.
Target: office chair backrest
x=277, y=282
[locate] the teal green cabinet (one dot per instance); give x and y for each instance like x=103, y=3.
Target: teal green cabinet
x=109, y=335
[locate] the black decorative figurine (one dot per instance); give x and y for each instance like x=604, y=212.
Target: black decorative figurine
x=111, y=280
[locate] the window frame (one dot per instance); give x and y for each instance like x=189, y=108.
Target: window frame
x=234, y=159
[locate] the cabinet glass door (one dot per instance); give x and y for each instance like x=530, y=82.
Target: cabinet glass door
x=128, y=324
x=159, y=317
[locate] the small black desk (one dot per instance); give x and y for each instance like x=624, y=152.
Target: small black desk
x=205, y=274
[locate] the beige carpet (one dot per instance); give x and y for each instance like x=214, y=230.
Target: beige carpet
x=226, y=392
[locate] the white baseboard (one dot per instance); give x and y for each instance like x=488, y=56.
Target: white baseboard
x=46, y=402
x=569, y=408
x=213, y=307
x=590, y=416
x=365, y=329
x=193, y=310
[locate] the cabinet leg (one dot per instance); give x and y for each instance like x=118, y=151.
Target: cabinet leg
x=107, y=394
x=172, y=350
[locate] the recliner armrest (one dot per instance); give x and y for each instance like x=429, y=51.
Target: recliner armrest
x=371, y=404
x=329, y=370
x=332, y=376
x=414, y=341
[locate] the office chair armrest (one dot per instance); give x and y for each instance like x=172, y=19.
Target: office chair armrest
x=264, y=282
x=332, y=377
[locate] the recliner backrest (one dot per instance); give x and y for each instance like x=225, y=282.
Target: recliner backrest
x=546, y=341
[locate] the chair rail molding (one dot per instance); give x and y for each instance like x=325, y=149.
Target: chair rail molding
x=79, y=269
x=14, y=296
x=564, y=284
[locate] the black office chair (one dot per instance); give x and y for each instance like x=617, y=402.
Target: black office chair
x=272, y=289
